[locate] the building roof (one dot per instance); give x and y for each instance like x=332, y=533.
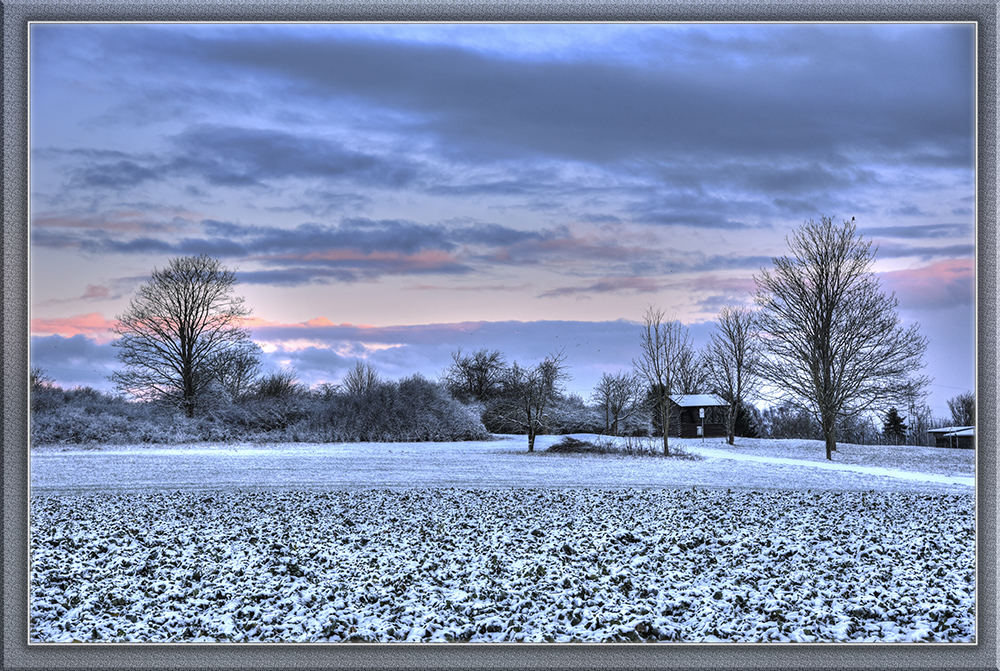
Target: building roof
x=697, y=400
x=955, y=430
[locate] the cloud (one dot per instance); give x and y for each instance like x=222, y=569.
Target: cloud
x=232, y=156
x=888, y=250
x=920, y=232
x=92, y=325
x=608, y=285
x=75, y=361
x=789, y=81
x=944, y=284
x=242, y=156
x=117, y=221
x=909, y=210
x=96, y=292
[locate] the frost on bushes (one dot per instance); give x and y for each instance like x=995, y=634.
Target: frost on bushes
x=87, y=416
x=412, y=409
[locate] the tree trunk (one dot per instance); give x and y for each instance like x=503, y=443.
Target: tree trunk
x=731, y=425
x=665, y=416
x=531, y=440
x=830, y=433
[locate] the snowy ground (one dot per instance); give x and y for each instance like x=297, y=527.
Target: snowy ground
x=484, y=542
x=500, y=463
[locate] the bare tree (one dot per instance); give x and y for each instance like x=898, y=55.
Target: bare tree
x=661, y=343
x=733, y=361
x=475, y=376
x=833, y=340
x=175, y=325
x=963, y=409
x=618, y=397
x=527, y=394
x=360, y=379
x=691, y=371
x=236, y=368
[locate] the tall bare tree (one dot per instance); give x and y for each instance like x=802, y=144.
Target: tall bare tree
x=182, y=318
x=733, y=361
x=833, y=339
x=527, y=394
x=618, y=397
x=661, y=346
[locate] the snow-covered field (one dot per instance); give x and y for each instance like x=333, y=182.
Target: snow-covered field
x=484, y=542
x=501, y=463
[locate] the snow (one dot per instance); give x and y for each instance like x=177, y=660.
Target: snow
x=483, y=542
x=969, y=481
x=698, y=400
x=504, y=462
x=503, y=565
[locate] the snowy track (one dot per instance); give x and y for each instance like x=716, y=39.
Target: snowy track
x=876, y=471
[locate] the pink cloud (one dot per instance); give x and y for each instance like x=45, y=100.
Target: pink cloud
x=944, y=284
x=93, y=325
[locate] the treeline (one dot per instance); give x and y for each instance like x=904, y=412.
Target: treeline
x=480, y=394
x=275, y=408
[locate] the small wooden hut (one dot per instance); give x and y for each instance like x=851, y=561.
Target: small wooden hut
x=697, y=416
x=963, y=437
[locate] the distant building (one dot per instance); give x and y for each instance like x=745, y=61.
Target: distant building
x=963, y=437
x=691, y=414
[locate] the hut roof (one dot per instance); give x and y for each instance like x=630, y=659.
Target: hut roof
x=697, y=400
x=955, y=430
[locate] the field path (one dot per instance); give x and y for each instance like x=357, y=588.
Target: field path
x=968, y=481
x=480, y=465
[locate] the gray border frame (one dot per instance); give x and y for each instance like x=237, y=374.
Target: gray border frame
x=14, y=651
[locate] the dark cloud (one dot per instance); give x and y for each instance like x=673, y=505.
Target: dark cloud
x=364, y=235
x=903, y=92
x=924, y=231
x=54, y=239
x=630, y=285
x=780, y=90
x=322, y=204
x=75, y=361
x=238, y=156
x=96, y=292
x=104, y=244
x=909, y=210
x=494, y=235
x=925, y=252
x=244, y=157
x=295, y=277
x=116, y=175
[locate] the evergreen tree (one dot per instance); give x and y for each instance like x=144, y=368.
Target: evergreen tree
x=893, y=428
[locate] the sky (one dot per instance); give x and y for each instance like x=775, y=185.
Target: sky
x=394, y=192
